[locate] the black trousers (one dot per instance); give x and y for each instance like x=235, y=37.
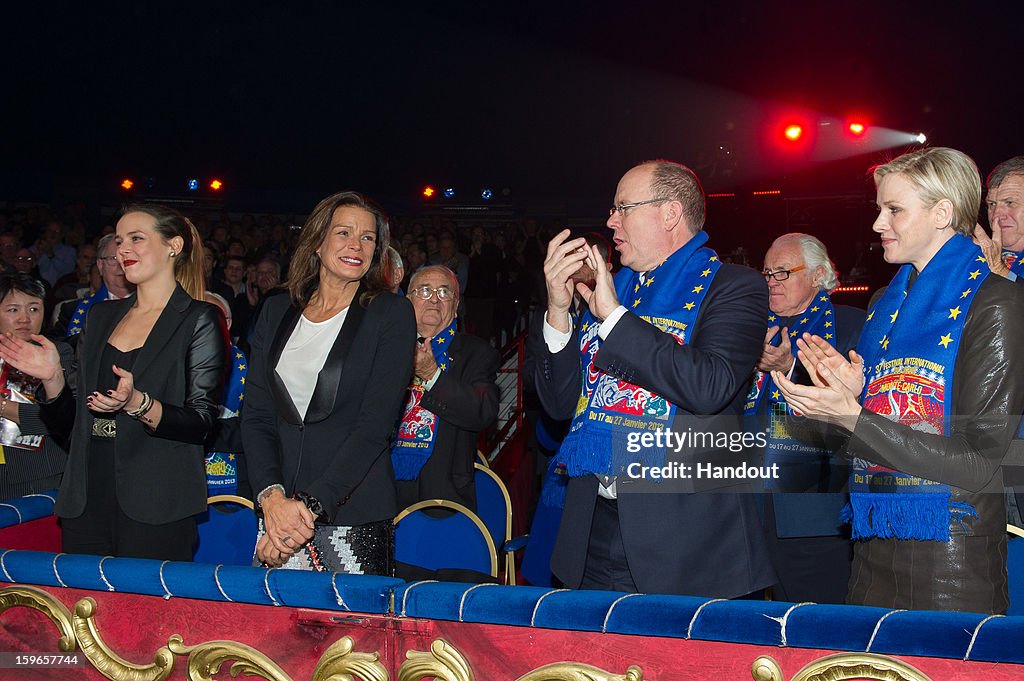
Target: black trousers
x=103, y=529
x=607, y=568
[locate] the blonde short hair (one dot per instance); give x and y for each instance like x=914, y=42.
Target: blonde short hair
x=940, y=173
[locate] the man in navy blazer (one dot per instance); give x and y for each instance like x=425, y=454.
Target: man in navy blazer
x=811, y=551
x=618, y=533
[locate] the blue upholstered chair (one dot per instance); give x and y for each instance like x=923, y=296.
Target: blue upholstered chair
x=227, y=531
x=481, y=459
x=456, y=540
x=494, y=506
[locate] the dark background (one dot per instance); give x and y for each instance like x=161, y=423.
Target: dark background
x=553, y=101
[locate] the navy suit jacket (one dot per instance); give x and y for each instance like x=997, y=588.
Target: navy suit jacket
x=701, y=544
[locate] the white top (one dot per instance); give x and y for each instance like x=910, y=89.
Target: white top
x=304, y=356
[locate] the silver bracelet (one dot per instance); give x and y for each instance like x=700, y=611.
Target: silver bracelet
x=267, y=490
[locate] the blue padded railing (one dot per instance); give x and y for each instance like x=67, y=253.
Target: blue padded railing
x=27, y=508
x=296, y=588
x=966, y=636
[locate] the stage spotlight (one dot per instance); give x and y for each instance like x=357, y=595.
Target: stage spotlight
x=127, y=184
x=449, y=192
x=192, y=184
x=920, y=138
x=856, y=129
x=216, y=185
x=486, y=194
x=428, y=191
x=794, y=132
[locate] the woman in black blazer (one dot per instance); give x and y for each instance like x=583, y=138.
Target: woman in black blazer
x=329, y=365
x=149, y=371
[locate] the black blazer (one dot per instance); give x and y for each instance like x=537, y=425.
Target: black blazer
x=340, y=452
x=160, y=473
x=701, y=544
x=465, y=399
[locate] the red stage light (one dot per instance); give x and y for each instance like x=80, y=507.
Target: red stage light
x=794, y=132
x=856, y=128
x=127, y=183
x=216, y=185
x=429, y=191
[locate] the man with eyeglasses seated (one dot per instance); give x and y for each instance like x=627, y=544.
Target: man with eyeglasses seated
x=453, y=396
x=682, y=343
x=71, y=314
x=810, y=550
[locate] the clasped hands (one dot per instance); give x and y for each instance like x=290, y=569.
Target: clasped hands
x=564, y=258
x=289, y=526
x=838, y=383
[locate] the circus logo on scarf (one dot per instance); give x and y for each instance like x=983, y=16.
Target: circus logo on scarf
x=910, y=391
x=621, y=397
x=419, y=424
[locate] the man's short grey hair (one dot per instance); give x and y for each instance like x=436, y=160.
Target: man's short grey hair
x=815, y=256
x=1015, y=166
x=396, y=259
x=102, y=243
x=676, y=182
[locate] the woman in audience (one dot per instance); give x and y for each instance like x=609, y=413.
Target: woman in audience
x=926, y=398
x=329, y=366
x=149, y=373
x=31, y=460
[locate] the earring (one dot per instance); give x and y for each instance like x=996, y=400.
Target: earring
x=173, y=254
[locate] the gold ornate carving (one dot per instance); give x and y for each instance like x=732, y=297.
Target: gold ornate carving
x=842, y=666
x=105, y=660
x=445, y=662
x=574, y=671
x=442, y=662
x=37, y=599
x=340, y=663
x=205, y=660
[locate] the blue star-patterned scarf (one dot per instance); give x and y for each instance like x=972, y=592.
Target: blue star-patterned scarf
x=417, y=431
x=669, y=298
x=909, y=345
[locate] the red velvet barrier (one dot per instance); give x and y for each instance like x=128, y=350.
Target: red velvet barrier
x=136, y=626
x=42, y=534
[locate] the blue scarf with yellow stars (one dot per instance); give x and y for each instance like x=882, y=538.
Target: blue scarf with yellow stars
x=783, y=448
x=222, y=467
x=909, y=345
x=417, y=431
x=609, y=409
x=78, y=319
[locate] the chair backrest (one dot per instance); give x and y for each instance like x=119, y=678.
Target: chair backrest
x=1015, y=569
x=227, y=531
x=493, y=504
x=481, y=459
x=458, y=539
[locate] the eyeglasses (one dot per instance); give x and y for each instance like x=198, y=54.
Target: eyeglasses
x=106, y=258
x=426, y=292
x=782, y=275
x=26, y=258
x=622, y=208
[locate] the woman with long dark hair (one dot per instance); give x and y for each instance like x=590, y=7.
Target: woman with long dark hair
x=145, y=395
x=329, y=366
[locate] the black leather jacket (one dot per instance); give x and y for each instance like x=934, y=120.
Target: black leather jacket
x=969, y=571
